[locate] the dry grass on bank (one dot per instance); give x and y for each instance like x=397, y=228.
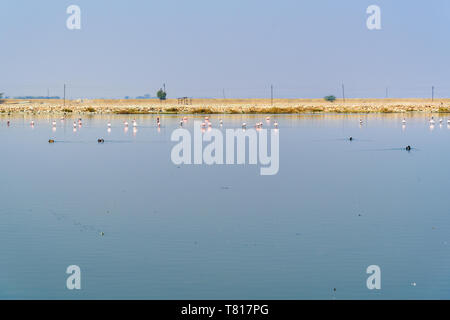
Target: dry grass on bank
x=230, y=106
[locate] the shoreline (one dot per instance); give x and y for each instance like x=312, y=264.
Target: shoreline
x=223, y=106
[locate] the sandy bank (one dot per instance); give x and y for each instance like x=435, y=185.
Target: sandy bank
x=231, y=106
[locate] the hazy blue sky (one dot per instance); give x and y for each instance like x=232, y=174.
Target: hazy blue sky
x=306, y=49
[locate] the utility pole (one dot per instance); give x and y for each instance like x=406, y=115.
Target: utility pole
x=164, y=86
x=343, y=92
x=387, y=92
x=271, y=94
x=432, y=93
x=64, y=94
x=48, y=93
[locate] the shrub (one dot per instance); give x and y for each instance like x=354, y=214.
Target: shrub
x=89, y=109
x=131, y=111
x=330, y=98
x=386, y=110
x=172, y=110
x=203, y=111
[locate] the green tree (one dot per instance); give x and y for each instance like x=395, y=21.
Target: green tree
x=1, y=96
x=330, y=98
x=161, y=94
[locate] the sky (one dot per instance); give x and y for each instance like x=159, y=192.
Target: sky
x=232, y=48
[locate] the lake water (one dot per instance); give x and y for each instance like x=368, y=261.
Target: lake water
x=225, y=232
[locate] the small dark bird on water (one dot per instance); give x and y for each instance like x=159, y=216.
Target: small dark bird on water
x=351, y=138
x=408, y=148
x=100, y=141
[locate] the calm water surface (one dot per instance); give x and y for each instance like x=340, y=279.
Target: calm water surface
x=225, y=232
